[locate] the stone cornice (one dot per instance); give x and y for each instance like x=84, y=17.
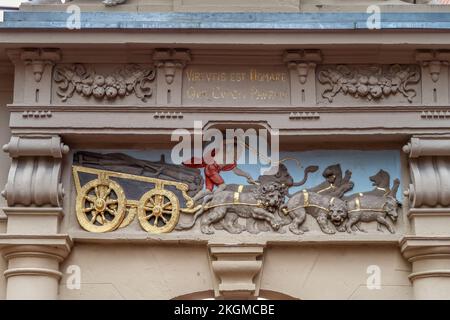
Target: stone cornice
x=335, y=108
x=225, y=21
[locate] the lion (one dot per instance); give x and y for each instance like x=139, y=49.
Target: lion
x=259, y=204
x=323, y=208
x=283, y=177
x=334, y=185
x=368, y=208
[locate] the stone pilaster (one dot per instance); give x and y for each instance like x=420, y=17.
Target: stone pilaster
x=236, y=270
x=33, y=74
x=32, y=244
x=435, y=76
x=428, y=245
x=170, y=64
x=302, y=67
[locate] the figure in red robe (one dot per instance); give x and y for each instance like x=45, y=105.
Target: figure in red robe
x=212, y=170
x=212, y=173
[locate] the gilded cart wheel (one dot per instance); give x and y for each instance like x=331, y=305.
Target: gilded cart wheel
x=159, y=211
x=101, y=205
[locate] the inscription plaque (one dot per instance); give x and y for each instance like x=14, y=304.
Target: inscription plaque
x=230, y=85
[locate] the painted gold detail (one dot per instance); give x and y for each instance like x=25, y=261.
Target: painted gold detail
x=101, y=204
x=158, y=211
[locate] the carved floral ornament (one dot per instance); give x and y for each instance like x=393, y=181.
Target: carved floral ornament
x=369, y=82
x=86, y=82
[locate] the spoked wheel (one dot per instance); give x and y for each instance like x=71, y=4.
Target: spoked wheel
x=101, y=205
x=159, y=211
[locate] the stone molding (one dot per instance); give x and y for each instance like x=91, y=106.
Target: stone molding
x=35, y=174
x=427, y=255
x=62, y=243
x=236, y=269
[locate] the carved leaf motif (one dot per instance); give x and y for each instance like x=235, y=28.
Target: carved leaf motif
x=371, y=83
x=130, y=79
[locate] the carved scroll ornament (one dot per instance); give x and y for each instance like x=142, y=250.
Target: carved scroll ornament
x=369, y=82
x=130, y=79
x=35, y=174
x=429, y=165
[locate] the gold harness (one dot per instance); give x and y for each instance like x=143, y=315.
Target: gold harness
x=307, y=204
x=358, y=205
x=330, y=187
x=236, y=201
x=236, y=194
x=385, y=190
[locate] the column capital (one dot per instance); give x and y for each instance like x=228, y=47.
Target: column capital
x=34, y=260
x=426, y=252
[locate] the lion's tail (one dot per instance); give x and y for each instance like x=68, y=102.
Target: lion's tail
x=307, y=171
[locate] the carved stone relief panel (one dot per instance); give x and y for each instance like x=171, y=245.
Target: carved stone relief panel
x=116, y=190
x=236, y=85
x=104, y=84
x=368, y=84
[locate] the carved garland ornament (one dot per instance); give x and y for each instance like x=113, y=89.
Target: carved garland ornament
x=130, y=79
x=370, y=83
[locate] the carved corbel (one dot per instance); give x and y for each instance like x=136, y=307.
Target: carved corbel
x=236, y=270
x=435, y=64
x=302, y=65
x=170, y=64
x=39, y=59
x=434, y=60
x=35, y=173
